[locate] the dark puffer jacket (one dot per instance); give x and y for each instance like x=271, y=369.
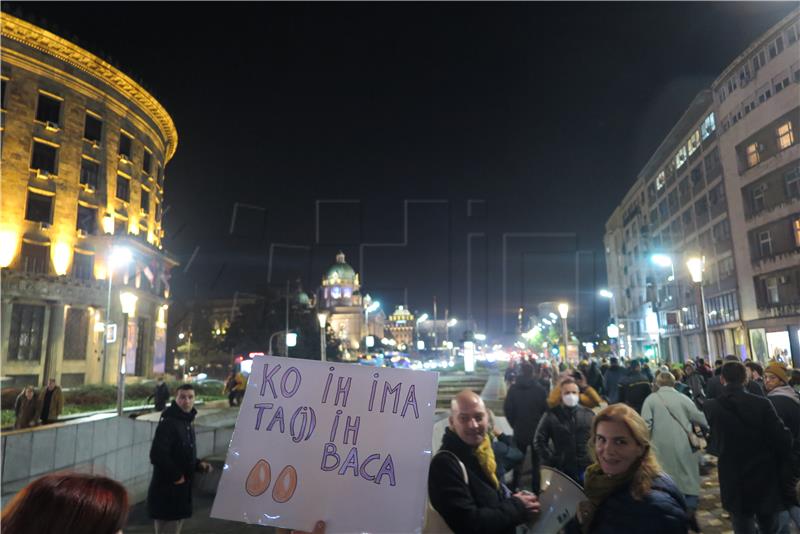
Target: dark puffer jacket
x=568, y=430
x=173, y=455
x=633, y=389
x=473, y=507
x=661, y=511
x=524, y=406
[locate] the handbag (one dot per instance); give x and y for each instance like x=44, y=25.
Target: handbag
x=434, y=522
x=695, y=442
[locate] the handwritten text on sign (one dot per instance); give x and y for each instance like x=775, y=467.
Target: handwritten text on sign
x=345, y=442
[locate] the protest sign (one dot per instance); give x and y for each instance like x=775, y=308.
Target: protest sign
x=343, y=443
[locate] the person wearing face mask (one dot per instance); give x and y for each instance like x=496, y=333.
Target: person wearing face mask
x=626, y=488
x=563, y=433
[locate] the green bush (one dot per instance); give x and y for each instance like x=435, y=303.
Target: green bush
x=91, y=394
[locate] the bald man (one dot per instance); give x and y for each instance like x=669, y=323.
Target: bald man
x=481, y=504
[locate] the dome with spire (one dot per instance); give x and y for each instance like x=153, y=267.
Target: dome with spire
x=340, y=272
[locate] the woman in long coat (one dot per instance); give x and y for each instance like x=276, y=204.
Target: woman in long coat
x=669, y=438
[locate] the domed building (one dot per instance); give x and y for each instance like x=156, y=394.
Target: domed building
x=341, y=299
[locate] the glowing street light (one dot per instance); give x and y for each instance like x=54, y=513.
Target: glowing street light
x=563, y=310
x=322, y=317
x=662, y=260
x=606, y=294
x=117, y=257
x=696, y=266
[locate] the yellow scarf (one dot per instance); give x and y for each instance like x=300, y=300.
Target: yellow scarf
x=485, y=456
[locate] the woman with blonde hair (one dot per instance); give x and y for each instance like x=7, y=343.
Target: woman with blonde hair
x=626, y=488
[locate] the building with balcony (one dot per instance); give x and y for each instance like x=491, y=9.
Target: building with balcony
x=758, y=103
x=84, y=149
x=721, y=187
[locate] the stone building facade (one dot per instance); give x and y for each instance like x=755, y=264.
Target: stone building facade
x=84, y=149
x=724, y=187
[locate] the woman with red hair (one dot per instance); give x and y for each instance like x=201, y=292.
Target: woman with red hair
x=68, y=503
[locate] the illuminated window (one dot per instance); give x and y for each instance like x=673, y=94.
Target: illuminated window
x=752, y=155
x=660, y=181
x=125, y=144
x=123, y=188
x=725, y=267
x=39, y=208
x=90, y=173
x=680, y=157
x=765, y=244
x=771, y=285
x=76, y=332
x=785, y=135
x=796, y=229
x=93, y=129
x=694, y=142
x=708, y=126
x=48, y=109
x=43, y=157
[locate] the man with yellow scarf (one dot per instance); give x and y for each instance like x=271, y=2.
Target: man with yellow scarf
x=462, y=481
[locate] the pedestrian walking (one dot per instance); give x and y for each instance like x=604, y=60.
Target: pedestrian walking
x=68, y=503
x=160, y=395
x=563, y=434
x=524, y=406
x=174, y=458
x=462, y=484
x=627, y=490
x=671, y=416
x=694, y=379
x=613, y=375
x=753, y=447
x=787, y=405
x=234, y=387
x=49, y=402
x=634, y=386
x=25, y=408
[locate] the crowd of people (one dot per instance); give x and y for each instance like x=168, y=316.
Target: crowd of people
x=637, y=438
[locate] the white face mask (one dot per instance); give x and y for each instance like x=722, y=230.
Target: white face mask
x=570, y=399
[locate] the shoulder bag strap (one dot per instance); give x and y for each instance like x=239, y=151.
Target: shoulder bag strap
x=460, y=463
x=670, y=413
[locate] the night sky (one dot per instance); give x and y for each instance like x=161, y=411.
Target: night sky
x=544, y=111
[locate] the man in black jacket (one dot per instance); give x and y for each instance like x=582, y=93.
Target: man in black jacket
x=160, y=394
x=174, y=458
x=634, y=387
x=477, y=502
x=524, y=406
x=753, y=446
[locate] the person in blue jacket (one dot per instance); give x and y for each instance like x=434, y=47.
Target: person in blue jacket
x=627, y=490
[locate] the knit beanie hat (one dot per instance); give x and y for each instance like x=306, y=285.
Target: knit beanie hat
x=778, y=370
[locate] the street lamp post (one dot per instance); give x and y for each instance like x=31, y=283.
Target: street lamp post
x=128, y=301
x=323, y=320
x=371, y=307
x=696, y=266
x=563, y=310
x=422, y=318
x=119, y=256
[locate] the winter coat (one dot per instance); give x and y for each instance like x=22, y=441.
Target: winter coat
x=506, y=454
x=669, y=439
x=787, y=404
x=56, y=403
x=173, y=455
x=613, y=376
x=562, y=439
x=697, y=384
x=160, y=396
x=661, y=511
x=475, y=506
x=588, y=398
x=25, y=411
x=753, y=446
x=633, y=389
x=524, y=406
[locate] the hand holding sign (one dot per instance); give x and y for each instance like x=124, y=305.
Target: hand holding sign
x=334, y=441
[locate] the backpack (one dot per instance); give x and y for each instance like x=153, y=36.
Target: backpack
x=434, y=522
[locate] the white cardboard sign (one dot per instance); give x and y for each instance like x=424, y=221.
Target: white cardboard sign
x=343, y=443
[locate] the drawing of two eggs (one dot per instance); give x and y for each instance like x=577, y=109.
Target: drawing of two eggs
x=261, y=475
